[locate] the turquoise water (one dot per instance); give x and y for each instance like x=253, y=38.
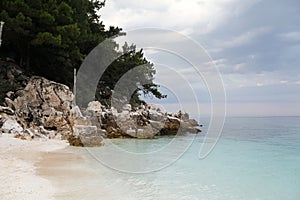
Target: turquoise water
x=255, y=158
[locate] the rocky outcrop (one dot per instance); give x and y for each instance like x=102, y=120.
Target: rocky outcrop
x=145, y=122
x=86, y=136
x=44, y=109
x=43, y=103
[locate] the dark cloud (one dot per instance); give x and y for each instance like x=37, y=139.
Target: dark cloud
x=272, y=51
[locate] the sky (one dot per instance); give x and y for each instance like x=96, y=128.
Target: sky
x=254, y=44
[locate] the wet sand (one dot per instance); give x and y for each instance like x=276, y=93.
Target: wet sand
x=70, y=175
x=18, y=172
x=45, y=170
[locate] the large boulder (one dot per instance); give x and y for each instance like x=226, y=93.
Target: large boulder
x=86, y=136
x=11, y=125
x=135, y=125
x=145, y=132
x=94, y=113
x=171, y=126
x=44, y=103
x=157, y=126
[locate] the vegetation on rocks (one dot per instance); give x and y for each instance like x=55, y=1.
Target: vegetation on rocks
x=51, y=38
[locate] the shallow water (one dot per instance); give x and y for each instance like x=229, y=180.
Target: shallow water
x=255, y=158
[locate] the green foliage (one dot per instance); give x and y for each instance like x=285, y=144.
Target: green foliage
x=50, y=38
x=129, y=60
x=44, y=36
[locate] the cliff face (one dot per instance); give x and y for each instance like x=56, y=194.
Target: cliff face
x=44, y=109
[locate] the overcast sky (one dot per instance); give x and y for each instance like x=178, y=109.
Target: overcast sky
x=255, y=45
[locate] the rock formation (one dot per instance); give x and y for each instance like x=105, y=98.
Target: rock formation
x=142, y=122
x=43, y=103
x=44, y=109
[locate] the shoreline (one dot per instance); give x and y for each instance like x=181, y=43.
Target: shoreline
x=46, y=169
x=68, y=171
x=18, y=160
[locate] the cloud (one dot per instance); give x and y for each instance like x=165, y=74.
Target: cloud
x=259, y=84
x=242, y=39
x=292, y=36
x=253, y=43
x=201, y=16
x=274, y=79
x=262, y=109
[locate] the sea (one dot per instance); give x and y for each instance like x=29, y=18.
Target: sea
x=255, y=158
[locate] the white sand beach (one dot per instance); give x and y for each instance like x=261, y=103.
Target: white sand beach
x=18, y=171
x=44, y=170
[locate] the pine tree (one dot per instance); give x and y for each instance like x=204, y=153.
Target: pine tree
x=51, y=38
